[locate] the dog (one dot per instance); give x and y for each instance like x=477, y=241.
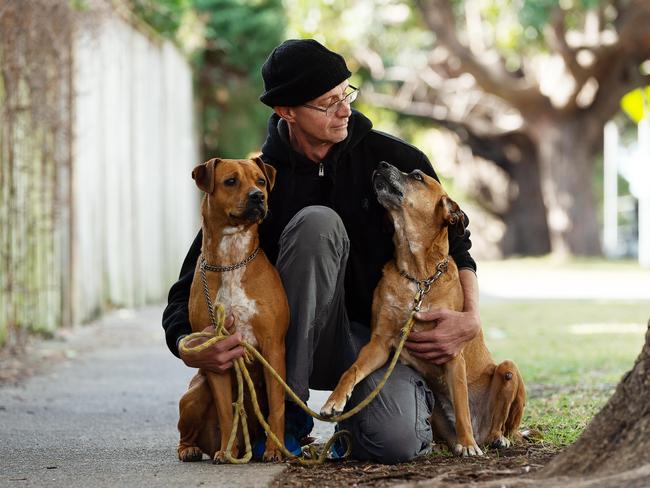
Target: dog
x=235, y=202
x=477, y=401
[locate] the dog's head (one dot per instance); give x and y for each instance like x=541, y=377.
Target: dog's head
x=416, y=197
x=236, y=190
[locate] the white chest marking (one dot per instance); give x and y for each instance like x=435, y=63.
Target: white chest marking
x=231, y=293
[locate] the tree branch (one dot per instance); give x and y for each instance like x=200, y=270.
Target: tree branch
x=555, y=35
x=617, y=65
x=492, y=78
x=481, y=137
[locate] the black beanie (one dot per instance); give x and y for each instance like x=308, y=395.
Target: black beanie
x=299, y=70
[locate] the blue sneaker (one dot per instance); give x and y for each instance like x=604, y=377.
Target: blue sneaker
x=290, y=442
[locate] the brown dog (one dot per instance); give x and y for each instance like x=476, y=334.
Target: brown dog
x=421, y=213
x=235, y=202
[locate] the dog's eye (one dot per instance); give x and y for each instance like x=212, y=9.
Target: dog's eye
x=417, y=175
x=261, y=182
x=230, y=181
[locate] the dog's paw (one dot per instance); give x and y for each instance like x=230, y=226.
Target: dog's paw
x=332, y=408
x=190, y=454
x=219, y=457
x=273, y=455
x=501, y=442
x=469, y=450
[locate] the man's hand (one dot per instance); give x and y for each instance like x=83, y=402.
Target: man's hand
x=219, y=357
x=451, y=330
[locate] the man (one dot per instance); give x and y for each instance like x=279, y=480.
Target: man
x=329, y=238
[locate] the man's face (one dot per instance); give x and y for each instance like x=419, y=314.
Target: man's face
x=319, y=127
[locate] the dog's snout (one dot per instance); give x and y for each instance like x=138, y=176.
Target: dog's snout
x=384, y=165
x=256, y=196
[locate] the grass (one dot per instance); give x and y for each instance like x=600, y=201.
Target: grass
x=571, y=353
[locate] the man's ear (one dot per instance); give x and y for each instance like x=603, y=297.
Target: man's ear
x=285, y=113
x=453, y=215
x=203, y=175
x=268, y=170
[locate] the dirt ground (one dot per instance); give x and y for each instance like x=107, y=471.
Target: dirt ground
x=520, y=460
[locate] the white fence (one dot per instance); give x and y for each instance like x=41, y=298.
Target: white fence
x=135, y=209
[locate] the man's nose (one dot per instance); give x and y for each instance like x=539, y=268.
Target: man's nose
x=343, y=109
x=256, y=196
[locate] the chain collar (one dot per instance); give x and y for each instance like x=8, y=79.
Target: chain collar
x=424, y=286
x=204, y=266
x=220, y=269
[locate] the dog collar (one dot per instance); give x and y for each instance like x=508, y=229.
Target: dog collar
x=425, y=285
x=221, y=269
x=204, y=266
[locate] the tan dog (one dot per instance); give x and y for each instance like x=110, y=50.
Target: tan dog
x=477, y=402
x=235, y=202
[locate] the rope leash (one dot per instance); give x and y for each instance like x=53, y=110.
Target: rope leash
x=217, y=318
x=241, y=373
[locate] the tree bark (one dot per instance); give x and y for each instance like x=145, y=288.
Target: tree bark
x=618, y=437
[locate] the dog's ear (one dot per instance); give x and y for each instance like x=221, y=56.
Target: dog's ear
x=453, y=215
x=203, y=175
x=268, y=170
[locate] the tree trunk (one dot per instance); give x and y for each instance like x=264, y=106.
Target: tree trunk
x=566, y=149
x=520, y=204
x=527, y=232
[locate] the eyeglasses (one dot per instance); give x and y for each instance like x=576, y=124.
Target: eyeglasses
x=332, y=108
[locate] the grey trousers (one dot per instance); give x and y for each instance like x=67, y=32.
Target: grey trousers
x=322, y=343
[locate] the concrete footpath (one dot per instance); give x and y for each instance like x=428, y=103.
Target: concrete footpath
x=106, y=416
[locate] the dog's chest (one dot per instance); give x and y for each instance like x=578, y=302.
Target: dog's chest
x=235, y=300
x=231, y=293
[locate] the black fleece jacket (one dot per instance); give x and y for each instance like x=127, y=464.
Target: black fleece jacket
x=342, y=182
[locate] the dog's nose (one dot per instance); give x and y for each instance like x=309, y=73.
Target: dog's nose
x=256, y=196
x=383, y=165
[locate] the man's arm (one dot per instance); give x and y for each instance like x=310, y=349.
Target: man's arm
x=176, y=317
x=452, y=330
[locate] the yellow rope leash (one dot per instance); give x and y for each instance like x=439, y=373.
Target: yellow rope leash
x=241, y=370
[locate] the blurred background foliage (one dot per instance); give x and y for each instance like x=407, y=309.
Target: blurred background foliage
x=226, y=41
x=496, y=92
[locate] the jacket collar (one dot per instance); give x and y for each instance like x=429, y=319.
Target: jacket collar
x=278, y=148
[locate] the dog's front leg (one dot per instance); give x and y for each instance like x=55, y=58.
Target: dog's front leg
x=273, y=351
x=221, y=386
x=372, y=356
x=456, y=377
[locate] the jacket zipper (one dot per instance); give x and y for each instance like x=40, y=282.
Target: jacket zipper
x=321, y=169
